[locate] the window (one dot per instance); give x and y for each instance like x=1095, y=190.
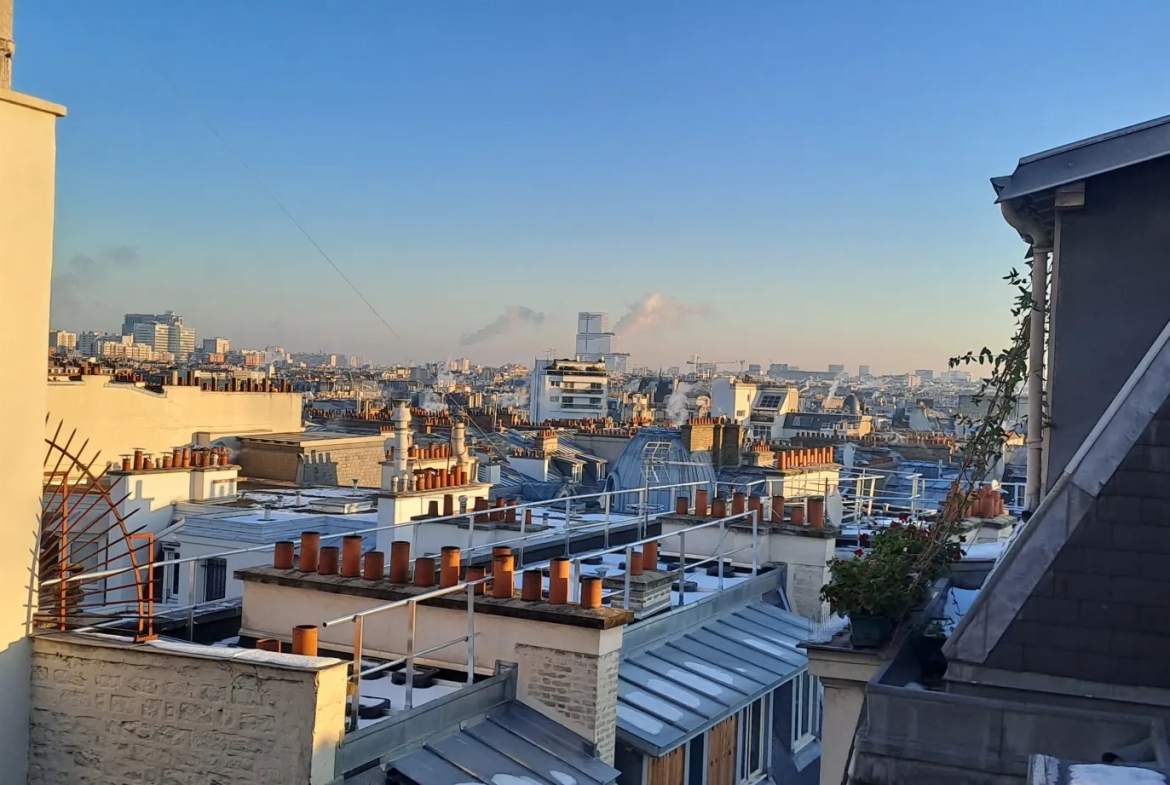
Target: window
x=771, y=400
x=753, y=741
x=170, y=584
x=806, y=710
x=697, y=760
x=214, y=579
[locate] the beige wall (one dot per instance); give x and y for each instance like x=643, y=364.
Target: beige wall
x=27, y=166
x=117, y=418
x=110, y=713
x=272, y=611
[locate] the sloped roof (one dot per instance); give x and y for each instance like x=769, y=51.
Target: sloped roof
x=1064, y=511
x=675, y=691
x=512, y=743
x=1087, y=158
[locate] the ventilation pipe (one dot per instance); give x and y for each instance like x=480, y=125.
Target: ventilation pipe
x=1041, y=242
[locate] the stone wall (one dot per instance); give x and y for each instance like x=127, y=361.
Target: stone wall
x=111, y=712
x=331, y=464
x=577, y=690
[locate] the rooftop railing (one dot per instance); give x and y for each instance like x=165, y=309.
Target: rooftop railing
x=408, y=660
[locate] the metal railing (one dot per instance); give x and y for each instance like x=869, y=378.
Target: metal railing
x=411, y=603
x=566, y=504
x=358, y=619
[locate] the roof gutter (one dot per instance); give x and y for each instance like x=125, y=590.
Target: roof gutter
x=1033, y=232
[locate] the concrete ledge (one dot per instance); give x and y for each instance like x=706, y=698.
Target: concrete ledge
x=572, y=615
x=31, y=102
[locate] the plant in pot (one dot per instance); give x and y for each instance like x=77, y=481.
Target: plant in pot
x=875, y=591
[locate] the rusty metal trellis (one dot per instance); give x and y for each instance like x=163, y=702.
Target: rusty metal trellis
x=83, y=536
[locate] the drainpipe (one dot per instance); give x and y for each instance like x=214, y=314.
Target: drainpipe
x=1041, y=242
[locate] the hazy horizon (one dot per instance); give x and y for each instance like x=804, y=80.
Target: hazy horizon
x=800, y=184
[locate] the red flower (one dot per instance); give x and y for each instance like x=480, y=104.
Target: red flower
x=859, y=552
x=962, y=538
x=895, y=525
x=904, y=517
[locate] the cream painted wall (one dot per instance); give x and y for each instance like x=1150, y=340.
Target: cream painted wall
x=272, y=612
x=27, y=166
x=117, y=418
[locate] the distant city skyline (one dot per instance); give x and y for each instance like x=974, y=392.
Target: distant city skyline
x=808, y=175
x=847, y=369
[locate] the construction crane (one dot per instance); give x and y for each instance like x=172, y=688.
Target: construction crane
x=695, y=362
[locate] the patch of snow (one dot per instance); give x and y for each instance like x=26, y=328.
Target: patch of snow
x=245, y=655
x=828, y=629
x=711, y=672
x=643, y=722
x=512, y=779
x=1044, y=769
x=562, y=778
x=1105, y=774
x=984, y=550
x=651, y=704
x=776, y=651
x=693, y=681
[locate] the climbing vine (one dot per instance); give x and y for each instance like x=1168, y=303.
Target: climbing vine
x=1000, y=391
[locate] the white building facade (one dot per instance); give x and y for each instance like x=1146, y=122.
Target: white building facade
x=568, y=390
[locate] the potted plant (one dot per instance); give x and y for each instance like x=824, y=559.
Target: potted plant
x=876, y=589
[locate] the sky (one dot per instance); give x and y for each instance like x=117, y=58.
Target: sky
x=778, y=182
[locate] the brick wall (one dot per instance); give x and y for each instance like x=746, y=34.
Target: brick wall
x=333, y=465
x=577, y=690
x=120, y=714
x=1102, y=611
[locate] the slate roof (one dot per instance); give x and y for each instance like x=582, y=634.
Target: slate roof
x=1087, y=158
x=512, y=744
x=674, y=691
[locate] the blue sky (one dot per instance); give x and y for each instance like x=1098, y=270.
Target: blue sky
x=812, y=177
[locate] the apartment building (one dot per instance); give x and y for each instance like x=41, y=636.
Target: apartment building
x=568, y=390
x=62, y=341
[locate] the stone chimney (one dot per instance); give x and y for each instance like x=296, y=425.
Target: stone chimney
x=547, y=441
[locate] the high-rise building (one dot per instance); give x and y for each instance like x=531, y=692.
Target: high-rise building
x=156, y=335
x=924, y=374
x=174, y=338
x=62, y=341
x=595, y=342
x=217, y=345
x=863, y=371
x=836, y=368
